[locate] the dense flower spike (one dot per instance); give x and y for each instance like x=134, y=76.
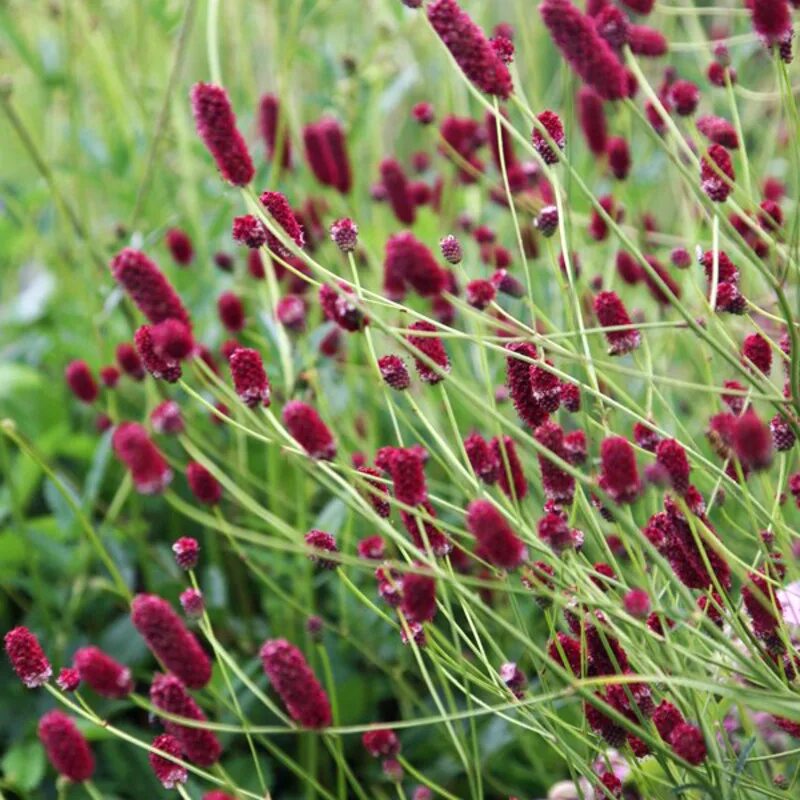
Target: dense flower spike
x=203, y=485
x=66, y=747
x=764, y=607
x=408, y=475
x=192, y=603
x=772, y=21
x=292, y=678
x=326, y=152
x=321, y=540
x=619, y=157
x=249, y=231
x=671, y=456
x=451, y=249
x=409, y=263
x=170, y=641
x=338, y=308
x=756, y=349
x=231, y=311
x=129, y=361
x=559, y=486
x=166, y=418
x=68, y=679
x=497, y=543
x=433, y=539
x=180, y=246
x=150, y=472
x=432, y=349
x=551, y=122
x=520, y=385
x=27, y=657
x=393, y=370
x=249, y=377
x=481, y=458
x=81, y=382
x=306, y=426
x=752, y=441
x=172, y=340
x=273, y=130
x=381, y=742
x=344, y=234
x=398, y=191
x=377, y=493
x=281, y=212
x=470, y=48
x=716, y=173
x=619, y=477
x=480, y=293
x=584, y=49
x=161, y=368
x=102, y=673
x=168, y=694
x=718, y=131
x=554, y=531
x=592, y=119
x=419, y=597
x=216, y=126
x=612, y=313
x=511, y=478
x=187, y=551
x=148, y=288
x=646, y=41
x=168, y=772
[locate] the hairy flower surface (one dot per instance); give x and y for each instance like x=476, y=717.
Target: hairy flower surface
x=133, y=447
x=102, y=673
x=431, y=349
x=496, y=541
x=306, y=426
x=249, y=377
x=168, y=772
x=27, y=657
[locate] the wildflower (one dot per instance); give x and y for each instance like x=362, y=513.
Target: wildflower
x=279, y=209
x=451, y=249
x=203, y=485
x=27, y=657
x=764, y=607
x=547, y=221
x=180, y=246
x=575, y=447
x=231, y=311
x=613, y=25
x=102, y=673
x=306, y=426
x=66, y=747
x=667, y=718
x=684, y=97
x=554, y=531
x=519, y=382
x=687, y=743
x=481, y=458
x=470, y=48
x=603, y=725
x=716, y=173
x=167, y=369
x=326, y=152
x=292, y=678
x=168, y=772
x=216, y=126
x=273, y=129
x=619, y=477
x=514, y=679
x=371, y=547
x=249, y=231
x=559, y=486
x=409, y=263
x=609, y=786
x=718, y=131
x=511, y=477
x=150, y=472
x=338, y=308
x=393, y=370
x=672, y=457
x=592, y=119
x=480, y=293
x=433, y=351
x=151, y=292
x=186, y=550
x=419, y=597
x=166, y=418
x=551, y=122
x=249, y=377
x=172, y=340
x=170, y=641
x=756, y=349
x=320, y=540
x=381, y=742
x=192, y=603
x=129, y=361
x=408, y=476
x=392, y=768
x=619, y=157
x=397, y=191
x=637, y=603
x=783, y=437
x=751, y=441
x=497, y=543
x=377, y=492
x=423, y=113
x=81, y=382
x=168, y=694
x=611, y=313
x=646, y=41
x=772, y=21
x=344, y=234
x=291, y=313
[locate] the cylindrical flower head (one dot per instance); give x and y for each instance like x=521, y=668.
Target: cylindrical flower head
x=27, y=657
x=672, y=458
x=273, y=128
x=81, y=382
x=109, y=375
x=592, y=119
x=407, y=470
x=610, y=313
x=619, y=477
x=684, y=97
x=394, y=372
x=688, y=743
x=306, y=426
x=203, y=485
x=66, y=747
x=433, y=349
x=201, y=746
x=172, y=340
x=148, y=288
x=291, y=312
x=180, y=246
x=551, y=122
x=338, y=308
x=216, y=126
x=321, y=540
x=409, y=262
x=344, y=234
x=433, y=539
x=249, y=377
x=168, y=772
x=584, y=49
x=381, y=742
x=170, y=641
x=716, y=173
x=292, y=678
x=605, y=727
x=752, y=441
x=279, y=209
x=192, y=603
x=103, y=674
x=783, y=437
x=470, y=48
x=249, y=231
x=554, y=531
x=646, y=41
x=451, y=249
x=511, y=478
x=772, y=21
x=614, y=26
x=497, y=543
x=129, y=361
x=481, y=458
x=166, y=418
x=480, y=293
x=160, y=368
x=619, y=157
x=501, y=146
x=186, y=550
x=756, y=349
x=520, y=386
x=419, y=597
x=231, y=311
x=559, y=486
x=150, y=472
x=377, y=492
x=397, y=191
x=718, y=131
x=326, y=152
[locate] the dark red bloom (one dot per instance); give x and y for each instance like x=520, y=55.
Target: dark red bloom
x=148, y=288
x=102, y=673
x=249, y=377
x=168, y=772
x=619, y=477
x=554, y=531
x=433, y=538
x=201, y=746
x=586, y=51
x=274, y=129
x=619, y=157
x=756, y=349
x=481, y=458
x=68, y=679
x=180, y=246
x=321, y=540
x=612, y=313
x=598, y=225
x=567, y=653
x=81, y=382
x=684, y=97
x=423, y=113
x=688, y=743
x=167, y=369
x=186, y=550
x=166, y=418
x=231, y=311
x=672, y=457
x=628, y=268
x=291, y=312
x=249, y=231
x=559, y=486
x=27, y=657
x=464, y=136
x=716, y=173
x=377, y=492
x=451, y=249
x=216, y=126
x=409, y=262
x=718, y=131
x=109, y=375
x=432, y=348
x=667, y=718
x=306, y=426
x=496, y=542
x=511, y=477
x=66, y=747
x=408, y=476
x=613, y=25
x=172, y=340
x=338, y=308
x=203, y=485
x=397, y=191
x=279, y=209
x=763, y=606
x=609, y=730
x=381, y=742
x=520, y=386
x=500, y=145
x=129, y=361
x=372, y=547
x=752, y=441
x=783, y=437
x=326, y=152
x=394, y=372
x=216, y=794
x=292, y=678
x=551, y=122
x=419, y=597
x=170, y=641
x=192, y=603
x=772, y=21
x=150, y=472
x=547, y=221
x=480, y=293
x=645, y=41
x=592, y=119
x=344, y=234
x=470, y=48
x=609, y=785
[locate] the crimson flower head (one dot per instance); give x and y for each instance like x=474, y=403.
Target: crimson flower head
x=216, y=126
x=612, y=313
x=684, y=97
x=102, y=673
x=338, y=308
x=551, y=122
x=321, y=540
x=613, y=25
x=451, y=249
x=619, y=157
x=160, y=368
x=150, y=472
x=186, y=551
x=326, y=152
x=481, y=458
x=192, y=602
x=376, y=494
x=646, y=41
x=68, y=679
x=752, y=441
x=279, y=209
x=559, y=486
x=480, y=293
x=554, y=531
x=172, y=340
x=169, y=640
x=203, y=485
x=716, y=173
x=408, y=262
x=129, y=361
x=511, y=477
x=637, y=603
x=306, y=426
x=27, y=657
x=671, y=456
x=372, y=547
x=66, y=747
x=592, y=119
x=249, y=377
x=772, y=21
x=81, y=382
x=381, y=743
x=394, y=372
x=273, y=129
x=180, y=246
x=718, y=130
x=639, y=6
x=398, y=192
x=419, y=597
x=291, y=312
x=344, y=234
x=168, y=772
x=520, y=385
x=470, y=48
x=756, y=349
x=619, y=476
x=497, y=542
x=432, y=348
x=687, y=743
x=249, y=231
x=231, y=311
x=166, y=418
x=298, y=687
x=109, y=375
x=407, y=470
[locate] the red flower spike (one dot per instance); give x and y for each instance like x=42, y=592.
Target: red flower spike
x=408, y=476
x=639, y=6
x=514, y=679
x=326, y=152
x=672, y=457
x=129, y=361
x=688, y=743
x=684, y=97
x=292, y=678
x=201, y=746
x=172, y=340
x=150, y=472
x=409, y=263
x=249, y=377
x=571, y=397
x=291, y=313
x=554, y=531
x=339, y=309
x=717, y=178
x=480, y=293
x=419, y=597
x=606, y=728
x=667, y=718
x=66, y=747
x=186, y=550
x=231, y=311
x=381, y=742
x=598, y=226
x=170, y=641
x=203, y=485
x=306, y=426
x=433, y=538
x=216, y=126
x=619, y=157
x=756, y=349
x=470, y=48
x=518, y=380
x=752, y=441
x=566, y=652
x=180, y=246
x=344, y=234
x=511, y=478
x=397, y=191
x=575, y=447
x=68, y=679
x=546, y=387
x=551, y=122
x=764, y=607
x=451, y=249
x=394, y=371
x=613, y=25
x=166, y=418
x=433, y=349
x=592, y=120
x=423, y=113
x=501, y=145
x=159, y=367
x=718, y=131
x=27, y=657
x=249, y=231
x=783, y=437
x=281, y=212
x=546, y=221
x=81, y=382
x=102, y=673
x=559, y=486
x=168, y=772
x=609, y=786
x=610, y=313
x=497, y=543
x=772, y=21
x=481, y=458
x=637, y=603
x=372, y=547
x=273, y=128
x=619, y=477
x=646, y=41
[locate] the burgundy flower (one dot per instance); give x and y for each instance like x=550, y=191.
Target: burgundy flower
x=480, y=293
x=68, y=679
x=511, y=477
x=279, y=209
x=338, y=308
x=186, y=550
x=637, y=603
x=394, y=372
x=166, y=418
x=409, y=263
x=567, y=653
x=547, y=221
x=609, y=785
x=684, y=97
x=377, y=492
x=646, y=41
x=783, y=437
x=451, y=249
x=150, y=472
x=102, y=673
x=66, y=747
x=496, y=542
x=470, y=48
x=612, y=313
x=170, y=641
x=752, y=441
x=249, y=377
x=619, y=157
x=718, y=131
x=687, y=743
x=306, y=426
x=667, y=718
x=168, y=694
x=609, y=730
x=481, y=457
x=216, y=794
x=172, y=340
x=320, y=540
x=292, y=678
x=716, y=173
x=592, y=119
x=619, y=477
x=326, y=152
x=344, y=234
x=433, y=350
x=519, y=382
x=81, y=382
x=433, y=539
x=167, y=369
x=249, y=231
x=586, y=51
x=203, y=485
x=148, y=288
x=231, y=311
x=192, y=603
x=408, y=476
x=639, y=6
x=559, y=486
x=129, y=361
x=756, y=349
x=216, y=126
x=554, y=531
x=423, y=113
x=273, y=129
x=180, y=246
x=551, y=122
x=381, y=742
x=772, y=21
x=168, y=772
x=763, y=606
x=371, y=547
x=613, y=25
x=397, y=191
x=27, y=657
x=672, y=457
x=419, y=597
x=501, y=145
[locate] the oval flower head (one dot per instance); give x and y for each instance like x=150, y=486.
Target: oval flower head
x=150, y=472
x=307, y=427
x=619, y=476
x=27, y=657
x=66, y=747
x=716, y=173
x=249, y=377
x=611, y=313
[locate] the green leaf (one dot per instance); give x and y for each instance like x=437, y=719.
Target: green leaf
x=23, y=765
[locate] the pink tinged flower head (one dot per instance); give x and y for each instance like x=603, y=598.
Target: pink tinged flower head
x=172, y=340
x=408, y=262
x=592, y=119
x=147, y=287
x=514, y=678
x=480, y=293
x=407, y=470
x=273, y=130
x=306, y=426
x=546, y=221
x=718, y=131
x=772, y=21
x=180, y=246
x=66, y=747
x=339, y=307
x=756, y=351
x=192, y=603
x=554, y=531
x=671, y=456
x=559, y=486
x=326, y=152
x=609, y=785
x=150, y=472
x=432, y=349
x=168, y=693
x=249, y=377
x=102, y=673
x=394, y=372
x=619, y=476
x=551, y=122
x=639, y=6
x=109, y=375
x=166, y=418
x=372, y=547
x=186, y=551
x=496, y=542
x=716, y=173
x=167, y=771
x=344, y=234
x=610, y=313
x=291, y=312
x=397, y=191
x=381, y=742
x=511, y=477
x=81, y=382
x=419, y=597
x=763, y=606
x=605, y=727
x=619, y=157
x=470, y=48
x=575, y=35
x=451, y=249
x=231, y=311
x=160, y=368
x=292, y=678
x=249, y=231
x=519, y=382
x=425, y=535
x=637, y=603
x=68, y=679
x=170, y=641
x=752, y=441
x=321, y=541
x=27, y=657
x=481, y=458
x=216, y=126
x=646, y=41
x=684, y=97
x=279, y=209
